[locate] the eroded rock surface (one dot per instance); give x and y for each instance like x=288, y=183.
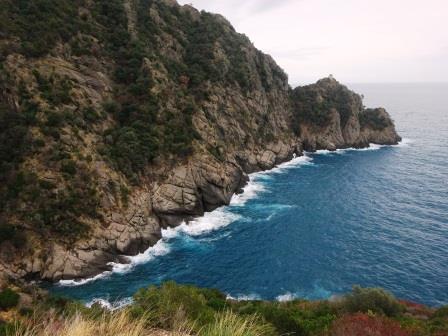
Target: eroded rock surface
x=250, y=122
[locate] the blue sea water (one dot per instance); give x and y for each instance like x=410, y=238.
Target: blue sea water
x=316, y=226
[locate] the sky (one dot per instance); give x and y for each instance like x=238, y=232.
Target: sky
x=357, y=41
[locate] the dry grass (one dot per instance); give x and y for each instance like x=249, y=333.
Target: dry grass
x=118, y=323
x=230, y=324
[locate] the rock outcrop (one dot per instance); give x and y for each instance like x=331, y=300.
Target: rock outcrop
x=330, y=116
x=154, y=115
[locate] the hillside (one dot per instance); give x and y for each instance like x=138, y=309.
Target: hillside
x=121, y=117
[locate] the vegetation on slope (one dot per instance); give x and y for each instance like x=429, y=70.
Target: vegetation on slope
x=138, y=123
x=373, y=119
x=160, y=72
x=313, y=105
x=33, y=129
x=187, y=310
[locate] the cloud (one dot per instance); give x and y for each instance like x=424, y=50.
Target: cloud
x=259, y=6
x=300, y=53
x=237, y=9
x=357, y=40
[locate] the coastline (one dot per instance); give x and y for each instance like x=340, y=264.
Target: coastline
x=216, y=219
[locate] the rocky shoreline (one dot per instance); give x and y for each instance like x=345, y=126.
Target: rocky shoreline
x=117, y=150
x=126, y=259
x=189, y=192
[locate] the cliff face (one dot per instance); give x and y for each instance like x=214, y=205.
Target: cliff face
x=330, y=116
x=121, y=117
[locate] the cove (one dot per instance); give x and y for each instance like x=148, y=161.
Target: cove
x=319, y=224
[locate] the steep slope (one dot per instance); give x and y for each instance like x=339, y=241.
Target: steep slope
x=121, y=117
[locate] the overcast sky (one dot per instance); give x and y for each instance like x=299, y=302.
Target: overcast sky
x=355, y=40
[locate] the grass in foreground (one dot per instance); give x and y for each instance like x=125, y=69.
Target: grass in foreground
x=179, y=310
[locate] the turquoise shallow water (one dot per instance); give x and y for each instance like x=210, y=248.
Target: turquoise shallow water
x=320, y=224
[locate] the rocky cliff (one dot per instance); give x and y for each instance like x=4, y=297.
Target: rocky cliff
x=330, y=116
x=121, y=117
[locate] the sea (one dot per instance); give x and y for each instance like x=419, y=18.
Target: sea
x=315, y=226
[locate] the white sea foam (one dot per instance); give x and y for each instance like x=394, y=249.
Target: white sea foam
x=405, y=143
x=255, y=186
x=215, y=220
x=242, y=297
x=372, y=147
x=211, y=221
x=286, y=297
x=294, y=163
x=323, y=152
x=251, y=190
x=159, y=249
x=73, y=283
x=110, y=306
x=318, y=292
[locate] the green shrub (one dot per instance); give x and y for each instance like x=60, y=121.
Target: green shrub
x=60, y=211
x=308, y=109
x=441, y=312
x=111, y=107
x=39, y=143
x=291, y=318
x=170, y=300
x=40, y=24
x=376, y=300
x=284, y=320
x=8, y=299
x=124, y=193
x=6, y=329
x=12, y=234
x=47, y=185
x=374, y=119
x=54, y=89
x=313, y=103
x=7, y=232
x=230, y=324
x=69, y=167
x=54, y=119
x=13, y=140
x=91, y=115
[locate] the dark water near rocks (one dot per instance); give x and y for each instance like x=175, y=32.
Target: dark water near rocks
x=320, y=224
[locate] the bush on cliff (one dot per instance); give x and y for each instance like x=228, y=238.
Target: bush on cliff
x=375, y=300
x=170, y=302
x=374, y=119
x=39, y=24
x=188, y=310
x=295, y=317
x=366, y=325
x=8, y=299
x=12, y=234
x=309, y=109
x=230, y=324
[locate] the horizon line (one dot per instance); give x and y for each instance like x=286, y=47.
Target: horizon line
x=385, y=82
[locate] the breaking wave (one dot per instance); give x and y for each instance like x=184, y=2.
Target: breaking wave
x=110, y=305
x=72, y=283
x=215, y=220
x=249, y=297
